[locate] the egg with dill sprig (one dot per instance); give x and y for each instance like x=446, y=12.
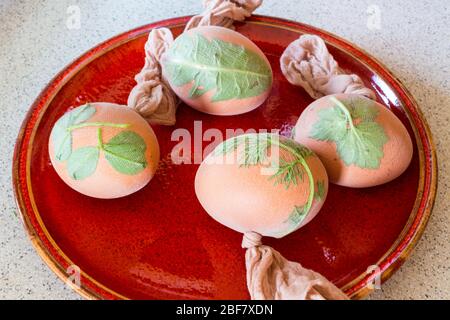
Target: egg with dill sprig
x=262, y=183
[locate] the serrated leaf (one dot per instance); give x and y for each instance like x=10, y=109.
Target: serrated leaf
x=359, y=138
x=83, y=162
x=362, y=109
x=233, y=71
x=125, y=152
x=62, y=137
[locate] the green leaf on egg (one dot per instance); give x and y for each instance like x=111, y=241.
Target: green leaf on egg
x=320, y=190
x=288, y=172
x=297, y=216
x=232, y=70
x=83, y=162
x=61, y=136
x=358, y=137
x=299, y=213
x=291, y=168
x=125, y=152
x=255, y=148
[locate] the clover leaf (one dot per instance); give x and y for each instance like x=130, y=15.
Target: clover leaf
x=125, y=152
x=61, y=136
x=83, y=162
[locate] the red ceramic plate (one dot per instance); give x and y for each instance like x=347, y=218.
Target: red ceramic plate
x=159, y=243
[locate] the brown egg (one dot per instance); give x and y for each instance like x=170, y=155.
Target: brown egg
x=217, y=71
x=104, y=150
x=372, y=148
x=244, y=192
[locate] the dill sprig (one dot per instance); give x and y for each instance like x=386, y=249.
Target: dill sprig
x=288, y=172
x=291, y=168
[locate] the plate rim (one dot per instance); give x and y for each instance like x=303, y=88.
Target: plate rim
x=357, y=288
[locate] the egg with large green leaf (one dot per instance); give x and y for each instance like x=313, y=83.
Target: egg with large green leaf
x=262, y=183
x=104, y=150
x=217, y=71
x=360, y=142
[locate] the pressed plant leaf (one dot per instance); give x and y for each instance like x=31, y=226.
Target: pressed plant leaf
x=255, y=148
x=233, y=71
x=81, y=114
x=290, y=168
x=359, y=138
x=62, y=142
x=288, y=172
x=320, y=190
x=125, y=152
x=297, y=148
x=62, y=137
x=297, y=216
x=362, y=109
x=83, y=162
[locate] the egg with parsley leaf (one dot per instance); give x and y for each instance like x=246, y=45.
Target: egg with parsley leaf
x=360, y=142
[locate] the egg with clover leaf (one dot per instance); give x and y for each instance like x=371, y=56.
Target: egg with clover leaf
x=104, y=150
x=360, y=142
x=263, y=183
x=217, y=71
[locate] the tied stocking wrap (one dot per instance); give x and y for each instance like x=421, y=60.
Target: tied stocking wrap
x=272, y=277
x=306, y=62
x=223, y=13
x=152, y=97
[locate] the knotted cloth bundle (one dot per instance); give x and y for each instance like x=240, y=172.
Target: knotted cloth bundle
x=306, y=62
x=271, y=277
x=152, y=97
x=223, y=13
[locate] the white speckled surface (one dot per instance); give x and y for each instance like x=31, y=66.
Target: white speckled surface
x=414, y=42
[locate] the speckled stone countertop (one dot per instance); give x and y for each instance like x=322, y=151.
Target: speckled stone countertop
x=412, y=38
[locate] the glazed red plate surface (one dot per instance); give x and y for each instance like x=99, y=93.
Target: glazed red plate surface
x=159, y=243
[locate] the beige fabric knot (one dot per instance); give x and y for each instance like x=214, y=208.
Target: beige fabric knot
x=306, y=62
x=159, y=41
x=251, y=239
x=152, y=97
x=223, y=13
x=271, y=277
